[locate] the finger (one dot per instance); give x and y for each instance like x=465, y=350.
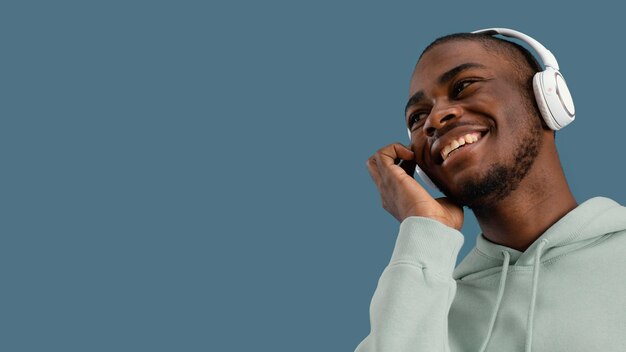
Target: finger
x=386, y=157
x=373, y=170
x=388, y=154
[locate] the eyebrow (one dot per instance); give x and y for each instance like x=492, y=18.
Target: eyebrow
x=443, y=79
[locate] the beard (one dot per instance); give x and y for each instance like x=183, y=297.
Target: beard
x=500, y=179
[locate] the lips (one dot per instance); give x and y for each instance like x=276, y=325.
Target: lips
x=454, y=141
x=460, y=142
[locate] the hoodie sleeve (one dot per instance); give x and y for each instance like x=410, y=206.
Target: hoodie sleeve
x=409, y=309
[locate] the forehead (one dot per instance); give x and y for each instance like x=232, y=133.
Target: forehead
x=444, y=57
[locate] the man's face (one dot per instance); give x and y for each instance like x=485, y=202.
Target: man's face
x=472, y=128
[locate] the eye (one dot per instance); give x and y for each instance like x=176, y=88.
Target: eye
x=460, y=86
x=417, y=117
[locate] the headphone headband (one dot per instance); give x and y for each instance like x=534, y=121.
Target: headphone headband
x=545, y=55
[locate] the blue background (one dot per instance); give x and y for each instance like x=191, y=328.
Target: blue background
x=190, y=176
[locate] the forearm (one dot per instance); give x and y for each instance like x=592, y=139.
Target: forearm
x=409, y=310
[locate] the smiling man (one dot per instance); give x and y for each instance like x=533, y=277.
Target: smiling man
x=546, y=272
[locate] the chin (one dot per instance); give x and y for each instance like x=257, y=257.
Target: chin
x=482, y=191
x=480, y=188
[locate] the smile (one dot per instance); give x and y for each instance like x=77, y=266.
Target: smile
x=458, y=143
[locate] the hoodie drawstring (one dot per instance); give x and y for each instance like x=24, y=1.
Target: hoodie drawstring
x=531, y=311
x=505, y=269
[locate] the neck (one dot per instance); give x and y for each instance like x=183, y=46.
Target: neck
x=541, y=199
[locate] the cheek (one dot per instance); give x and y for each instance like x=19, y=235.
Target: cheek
x=519, y=120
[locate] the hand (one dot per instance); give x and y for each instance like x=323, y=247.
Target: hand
x=402, y=196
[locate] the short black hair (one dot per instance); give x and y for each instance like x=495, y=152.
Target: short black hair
x=491, y=43
x=524, y=63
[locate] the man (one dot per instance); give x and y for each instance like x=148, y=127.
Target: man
x=546, y=272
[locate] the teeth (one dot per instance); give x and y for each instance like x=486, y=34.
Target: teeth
x=445, y=151
x=471, y=138
x=466, y=139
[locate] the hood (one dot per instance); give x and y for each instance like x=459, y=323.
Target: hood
x=587, y=222
x=591, y=220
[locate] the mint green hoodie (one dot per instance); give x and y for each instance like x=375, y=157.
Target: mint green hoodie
x=566, y=292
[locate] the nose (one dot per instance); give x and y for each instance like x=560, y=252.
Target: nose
x=439, y=116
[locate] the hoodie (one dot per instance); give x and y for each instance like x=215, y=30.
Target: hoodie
x=566, y=292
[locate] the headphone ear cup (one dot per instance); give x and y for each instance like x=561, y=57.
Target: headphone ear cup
x=541, y=102
x=553, y=98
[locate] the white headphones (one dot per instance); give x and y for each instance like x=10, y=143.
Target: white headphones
x=551, y=93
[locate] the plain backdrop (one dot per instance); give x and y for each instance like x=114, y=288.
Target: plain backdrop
x=190, y=176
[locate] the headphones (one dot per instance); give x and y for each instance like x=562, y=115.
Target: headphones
x=551, y=93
